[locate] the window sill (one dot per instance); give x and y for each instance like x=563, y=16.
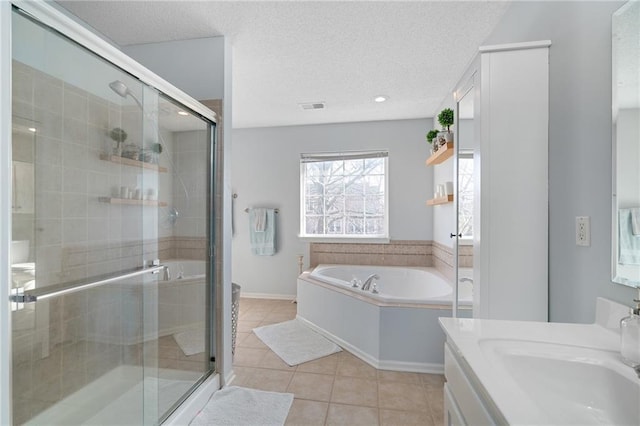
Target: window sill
x=349, y=240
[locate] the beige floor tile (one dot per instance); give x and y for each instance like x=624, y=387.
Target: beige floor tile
x=269, y=322
x=355, y=391
x=270, y=380
x=243, y=376
x=247, y=326
x=351, y=415
x=254, y=315
x=241, y=336
x=352, y=366
x=325, y=365
x=312, y=386
x=252, y=341
x=398, y=376
x=278, y=316
x=405, y=418
x=271, y=360
x=402, y=396
x=307, y=413
x=435, y=399
x=433, y=381
x=249, y=357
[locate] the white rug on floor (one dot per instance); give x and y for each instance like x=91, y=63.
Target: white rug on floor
x=295, y=343
x=191, y=341
x=241, y=406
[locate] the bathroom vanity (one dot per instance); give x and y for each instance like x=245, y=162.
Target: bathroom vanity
x=512, y=372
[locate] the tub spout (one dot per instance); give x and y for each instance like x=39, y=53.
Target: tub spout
x=167, y=274
x=367, y=282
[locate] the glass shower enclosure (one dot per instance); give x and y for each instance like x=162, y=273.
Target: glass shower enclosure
x=111, y=273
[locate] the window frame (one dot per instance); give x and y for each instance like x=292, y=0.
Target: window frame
x=466, y=155
x=337, y=156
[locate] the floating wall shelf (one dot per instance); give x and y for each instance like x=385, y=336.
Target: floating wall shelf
x=134, y=163
x=443, y=153
x=440, y=200
x=131, y=202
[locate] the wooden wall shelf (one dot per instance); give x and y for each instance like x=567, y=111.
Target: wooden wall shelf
x=131, y=202
x=441, y=200
x=443, y=153
x=134, y=163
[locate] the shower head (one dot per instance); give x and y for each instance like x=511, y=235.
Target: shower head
x=121, y=89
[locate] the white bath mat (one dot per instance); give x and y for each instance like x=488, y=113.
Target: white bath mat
x=295, y=343
x=191, y=341
x=241, y=406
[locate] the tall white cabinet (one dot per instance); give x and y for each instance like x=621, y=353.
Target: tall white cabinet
x=511, y=182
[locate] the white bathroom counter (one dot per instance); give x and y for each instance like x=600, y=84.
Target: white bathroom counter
x=483, y=348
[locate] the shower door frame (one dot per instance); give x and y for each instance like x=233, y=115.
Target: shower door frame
x=50, y=16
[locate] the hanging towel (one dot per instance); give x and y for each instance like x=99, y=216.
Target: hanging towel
x=635, y=221
x=628, y=243
x=259, y=219
x=263, y=243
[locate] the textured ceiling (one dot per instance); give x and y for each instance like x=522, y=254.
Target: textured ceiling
x=343, y=53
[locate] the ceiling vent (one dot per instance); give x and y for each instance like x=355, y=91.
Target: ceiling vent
x=313, y=105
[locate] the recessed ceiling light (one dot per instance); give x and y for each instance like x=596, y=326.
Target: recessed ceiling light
x=183, y=113
x=380, y=98
x=32, y=129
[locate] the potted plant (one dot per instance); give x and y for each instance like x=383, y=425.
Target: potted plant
x=118, y=135
x=445, y=118
x=431, y=135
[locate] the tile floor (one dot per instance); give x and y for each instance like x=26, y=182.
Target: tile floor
x=339, y=389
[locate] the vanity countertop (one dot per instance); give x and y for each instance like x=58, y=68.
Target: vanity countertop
x=506, y=360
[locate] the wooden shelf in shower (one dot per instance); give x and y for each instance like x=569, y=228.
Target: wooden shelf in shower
x=131, y=202
x=134, y=163
x=440, y=200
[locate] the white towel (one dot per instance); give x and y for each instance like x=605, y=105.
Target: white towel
x=263, y=243
x=635, y=221
x=628, y=243
x=259, y=219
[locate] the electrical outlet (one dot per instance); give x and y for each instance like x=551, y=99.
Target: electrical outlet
x=583, y=231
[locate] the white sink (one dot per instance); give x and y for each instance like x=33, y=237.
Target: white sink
x=572, y=384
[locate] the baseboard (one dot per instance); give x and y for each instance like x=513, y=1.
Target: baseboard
x=268, y=296
x=414, y=367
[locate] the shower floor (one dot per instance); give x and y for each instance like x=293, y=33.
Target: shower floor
x=123, y=386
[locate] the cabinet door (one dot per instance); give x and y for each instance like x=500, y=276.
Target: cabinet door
x=452, y=414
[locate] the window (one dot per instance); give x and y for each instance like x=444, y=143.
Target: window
x=344, y=195
x=465, y=194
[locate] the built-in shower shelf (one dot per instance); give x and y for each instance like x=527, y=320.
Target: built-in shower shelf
x=440, y=200
x=443, y=153
x=134, y=163
x=131, y=202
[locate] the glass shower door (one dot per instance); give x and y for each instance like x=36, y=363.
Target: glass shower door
x=110, y=185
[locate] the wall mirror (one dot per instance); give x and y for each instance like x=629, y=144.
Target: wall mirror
x=626, y=145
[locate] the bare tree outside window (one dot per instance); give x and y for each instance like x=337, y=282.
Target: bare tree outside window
x=344, y=196
x=465, y=195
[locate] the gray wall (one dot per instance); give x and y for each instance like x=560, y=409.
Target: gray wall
x=579, y=146
x=266, y=172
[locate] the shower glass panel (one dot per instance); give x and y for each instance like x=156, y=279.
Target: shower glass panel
x=110, y=184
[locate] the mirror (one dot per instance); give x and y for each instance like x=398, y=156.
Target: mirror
x=626, y=145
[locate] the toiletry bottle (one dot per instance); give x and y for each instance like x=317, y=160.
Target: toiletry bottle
x=630, y=336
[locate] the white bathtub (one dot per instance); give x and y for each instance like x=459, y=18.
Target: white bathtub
x=396, y=284
x=396, y=329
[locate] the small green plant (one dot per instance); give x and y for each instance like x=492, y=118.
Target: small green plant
x=118, y=135
x=445, y=118
x=431, y=135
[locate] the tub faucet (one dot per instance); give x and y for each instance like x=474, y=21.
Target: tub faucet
x=167, y=274
x=367, y=282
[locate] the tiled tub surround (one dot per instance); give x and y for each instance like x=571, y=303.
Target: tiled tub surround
x=394, y=253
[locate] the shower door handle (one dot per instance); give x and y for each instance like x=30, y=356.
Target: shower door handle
x=49, y=292
x=452, y=235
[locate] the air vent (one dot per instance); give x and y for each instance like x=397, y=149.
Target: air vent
x=312, y=105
